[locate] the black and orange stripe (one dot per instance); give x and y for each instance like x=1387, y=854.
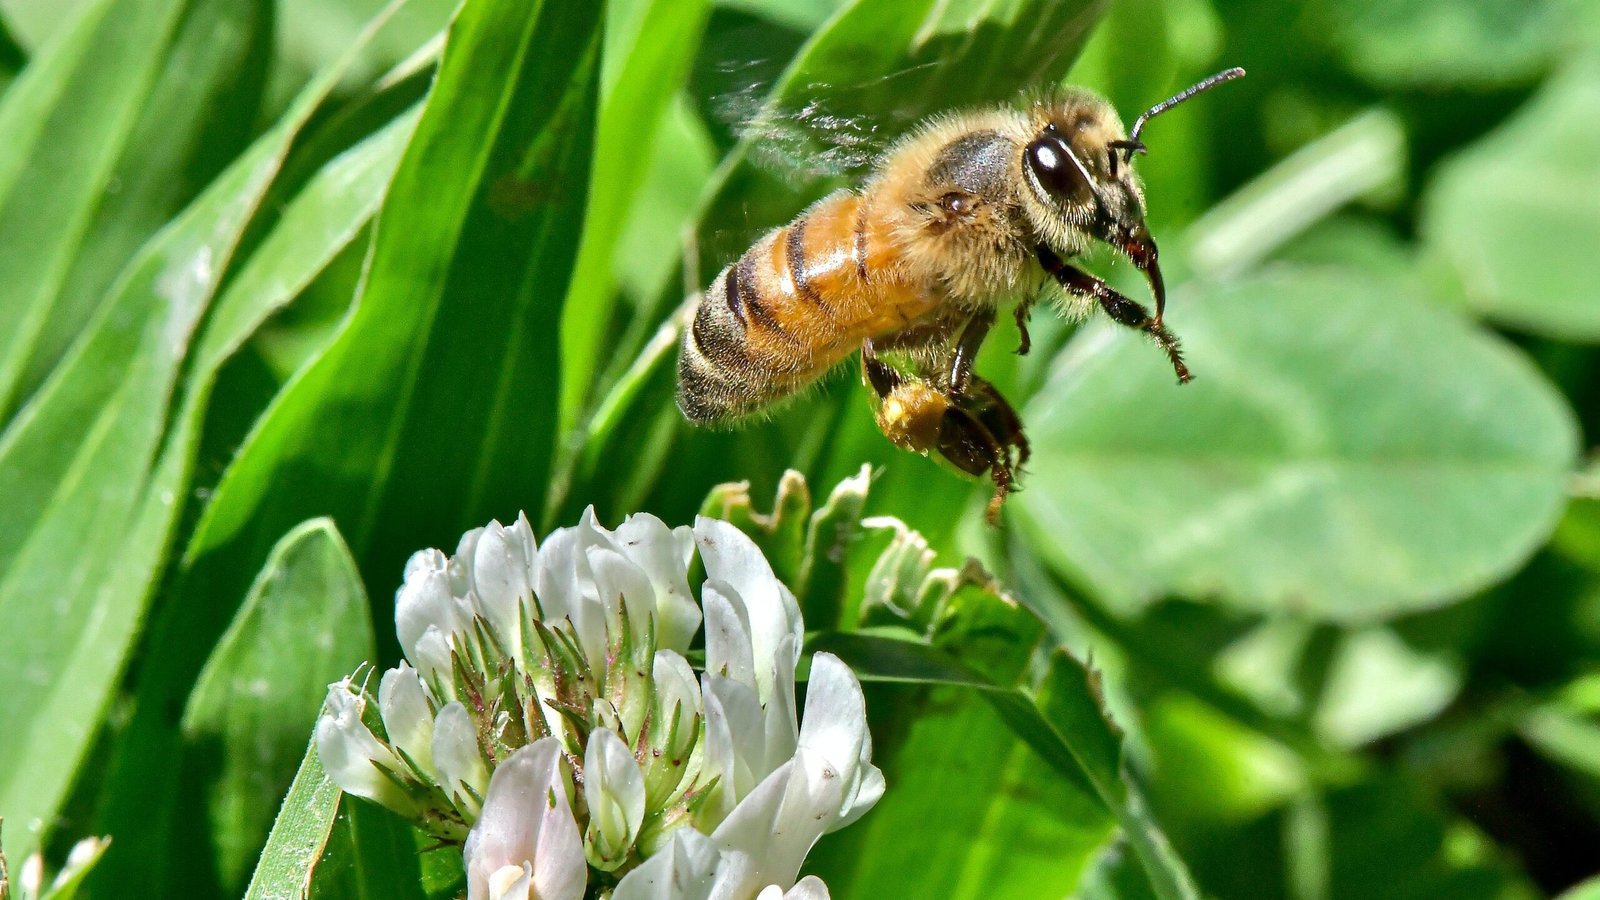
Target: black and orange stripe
x=796, y=303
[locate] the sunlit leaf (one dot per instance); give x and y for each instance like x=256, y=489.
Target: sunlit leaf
x=327, y=844
x=304, y=624
x=329, y=212
x=110, y=130
x=1438, y=43
x=80, y=468
x=1510, y=213
x=433, y=409
x=298, y=835
x=1346, y=451
x=648, y=47
x=1071, y=743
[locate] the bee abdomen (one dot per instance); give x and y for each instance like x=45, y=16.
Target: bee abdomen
x=719, y=377
x=794, y=305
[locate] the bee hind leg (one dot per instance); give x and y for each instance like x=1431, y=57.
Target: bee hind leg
x=977, y=430
x=969, y=442
x=986, y=422
x=1118, y=306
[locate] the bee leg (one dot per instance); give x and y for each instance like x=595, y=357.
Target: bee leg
x=883, y=377
x=1023, y=311
x=972, y=335
x=970, y=444
x=1001, y=419
x=1117, y=305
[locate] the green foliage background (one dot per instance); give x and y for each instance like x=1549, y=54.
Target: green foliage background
x=292, y=288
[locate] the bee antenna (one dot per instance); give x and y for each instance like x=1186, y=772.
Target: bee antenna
x=1133, y=145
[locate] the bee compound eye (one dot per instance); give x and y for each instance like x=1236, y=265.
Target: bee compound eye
x=1056, y=170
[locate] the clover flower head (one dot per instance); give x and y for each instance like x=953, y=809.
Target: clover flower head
x=548, y=717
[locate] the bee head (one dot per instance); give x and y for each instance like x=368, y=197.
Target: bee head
x=1080, y=180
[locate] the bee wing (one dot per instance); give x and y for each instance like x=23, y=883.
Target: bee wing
x=828, y=130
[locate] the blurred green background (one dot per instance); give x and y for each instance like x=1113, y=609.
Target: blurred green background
x=263, y=261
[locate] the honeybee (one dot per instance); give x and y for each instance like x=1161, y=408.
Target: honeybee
x=966, y=212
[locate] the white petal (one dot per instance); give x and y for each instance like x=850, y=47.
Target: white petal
x=767, y=836
x=406, y=717
x=511, y=882
x=782, y=725
x=457, y=758
x=31, y=878
x=555, y=574
x=808, y=888
x=754, y=855
x=431, y=654
x=742, y=764
x=424, y=561
x=662, y=555
x=682, y=870
x=721, y=762
x=614, y=789
x=620, y=583
x=461, y=562
x=728, y=650
x=676, y=689
x=527, y=819
x=424, y=599
x=502, y=577
x=351, y=754
x=835, y=730
x=732, y=557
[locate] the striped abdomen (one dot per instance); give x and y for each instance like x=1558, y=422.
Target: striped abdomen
x=796, y=303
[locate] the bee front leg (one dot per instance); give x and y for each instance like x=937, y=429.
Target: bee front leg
x=1023, y=311
x=1118, y=306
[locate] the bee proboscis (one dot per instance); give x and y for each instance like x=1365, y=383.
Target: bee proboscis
x=968, y=211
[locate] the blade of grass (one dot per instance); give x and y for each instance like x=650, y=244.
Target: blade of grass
x=646, y=59
x=304, y=624
x=433, y=409
x=111, y=130
x=90, y=526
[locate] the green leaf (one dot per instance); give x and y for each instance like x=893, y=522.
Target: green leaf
x=325, y=216
x=371, y=855
x=90, y=504
x=1365, y=154
x=110, y=131
x=649, y=45
x=12, y=57
x=1386, y=841
x=1508, y=213
x=305, y=623
x=312, y=34
x=1075, y=756
x=299, y=834
x=34, y=23
x=433, y=409
x=327, y=844
x=1441, y=43
x=1346, y=451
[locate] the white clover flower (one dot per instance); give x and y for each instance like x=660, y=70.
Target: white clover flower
x=548, y=717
